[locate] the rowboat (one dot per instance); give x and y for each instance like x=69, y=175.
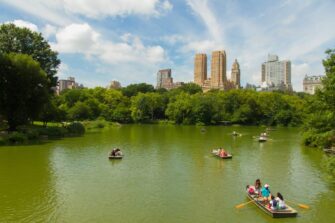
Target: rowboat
x=215, y=153
x=115, y=157
x=262, y=139
x=288, y=212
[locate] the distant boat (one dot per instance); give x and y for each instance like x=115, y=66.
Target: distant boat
x=118, y=155
x=236, y=134
x=215, y=153
x=280, y=213
x=262, y=139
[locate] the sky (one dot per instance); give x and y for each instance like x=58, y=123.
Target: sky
x=130, y=40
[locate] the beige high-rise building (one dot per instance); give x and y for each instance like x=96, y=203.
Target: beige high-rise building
x=276, y=74
x=236, y=74
x=218, y=69
x=200, y=68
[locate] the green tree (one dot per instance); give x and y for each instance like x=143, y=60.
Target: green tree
x=320, y=121
x=134, y=89
x=22, y=40
x=23, y=89
x=144, y=107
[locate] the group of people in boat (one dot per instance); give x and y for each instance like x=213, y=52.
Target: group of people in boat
x=221, y=152
x=263, y=194
x=116, y=152
x=264, y=134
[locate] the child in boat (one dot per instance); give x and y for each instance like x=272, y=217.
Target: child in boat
x=118, y=152
x=223, y=153
x=250, y=189
x=273, y=204
x=265, y=192
x=258, y=186
x=280, y=200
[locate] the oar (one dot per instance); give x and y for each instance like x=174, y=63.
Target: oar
x=243, y=204
x=300, y=205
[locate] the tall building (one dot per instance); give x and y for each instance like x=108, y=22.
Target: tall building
x=200, y=68
x=70, y=83
x=311, y=83
x=236, y=74
x=276, y=74
x=164, y=79
x=218, y=69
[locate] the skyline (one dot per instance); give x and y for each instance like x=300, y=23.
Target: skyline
x=129, y=41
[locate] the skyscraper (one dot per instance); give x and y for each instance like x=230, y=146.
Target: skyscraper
x=218, y=69
x=277, y=73
x=164, y=79
x=236, y=74
x=200, y=68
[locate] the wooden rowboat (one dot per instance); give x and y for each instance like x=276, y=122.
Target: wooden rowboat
x=288, y=212
x=115, y=157
x=262, y=139
x=229, y=156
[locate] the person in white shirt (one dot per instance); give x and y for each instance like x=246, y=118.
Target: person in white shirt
x=280, y=200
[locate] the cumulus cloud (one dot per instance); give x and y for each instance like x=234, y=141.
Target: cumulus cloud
x=103, y=8
x=49, y=30
x=24, y=24
x=201, y=46
x=82, y=38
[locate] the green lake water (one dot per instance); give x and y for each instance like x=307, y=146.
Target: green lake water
x=167, y=175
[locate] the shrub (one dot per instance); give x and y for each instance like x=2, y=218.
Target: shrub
x=53, y=132
x=16, y=137
x=75, y=128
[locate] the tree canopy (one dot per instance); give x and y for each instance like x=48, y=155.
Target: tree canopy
x=22, y=40
x=24, y=88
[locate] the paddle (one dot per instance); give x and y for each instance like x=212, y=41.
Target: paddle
x=300, y=205
x=242, y=205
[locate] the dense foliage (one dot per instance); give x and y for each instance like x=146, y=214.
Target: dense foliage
x=23, y=89
x=320, y=121
x=22, y=40
x=184, y=105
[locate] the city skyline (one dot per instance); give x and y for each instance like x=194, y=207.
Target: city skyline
x=109, y=40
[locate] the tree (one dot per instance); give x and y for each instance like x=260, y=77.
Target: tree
x=22, y=40
x=144, y=107
x=134, y=89
x=190, y=88
x=23, y=88
x=320, y=121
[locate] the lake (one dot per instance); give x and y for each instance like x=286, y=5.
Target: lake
x=167, y=175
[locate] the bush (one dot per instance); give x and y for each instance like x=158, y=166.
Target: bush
x=321, y=140
x=16, y=137
x=75, y=128
x=53, y=132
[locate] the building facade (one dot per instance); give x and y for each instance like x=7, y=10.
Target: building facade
x=63, y=84
x=276, y=74
x=164, y=79
x=218, y=69
x=236, y=74
x=200, y=68
x=311, y=83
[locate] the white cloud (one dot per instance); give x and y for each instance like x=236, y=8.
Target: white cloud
x=103, y=8
x=76, y=38
x=24, y=24
x=49, y=30
x=82, y=38
x=52, y=11
x=201, y=46
x=201, y=8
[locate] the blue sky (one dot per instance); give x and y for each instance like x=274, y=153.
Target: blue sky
x=130, y=40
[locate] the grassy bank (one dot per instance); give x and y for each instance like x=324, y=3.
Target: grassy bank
x=38, y=132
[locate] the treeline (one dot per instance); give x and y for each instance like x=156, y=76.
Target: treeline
x=185, y=105
x=319, y=124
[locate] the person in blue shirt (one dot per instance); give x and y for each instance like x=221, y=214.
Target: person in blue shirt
x=265, y=191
